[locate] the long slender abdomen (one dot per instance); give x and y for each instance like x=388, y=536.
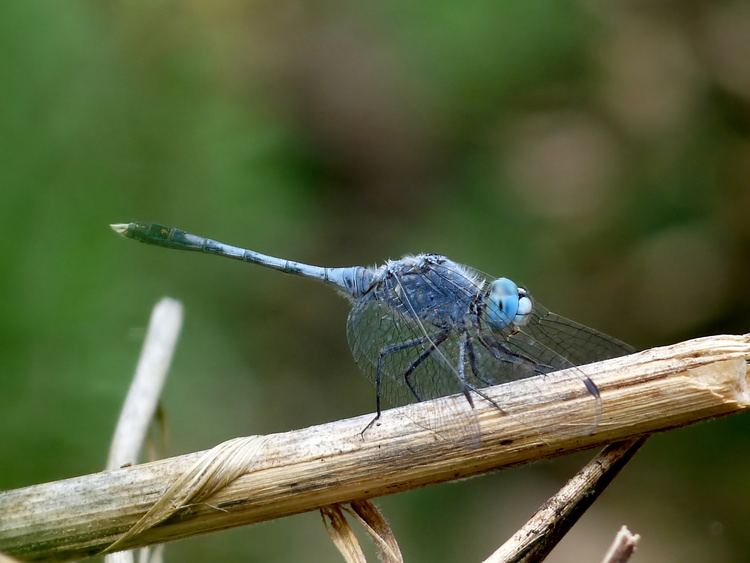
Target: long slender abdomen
x=353, y=281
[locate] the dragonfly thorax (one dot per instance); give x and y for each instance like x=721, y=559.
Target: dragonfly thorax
x=428, y=287
x=507, y=304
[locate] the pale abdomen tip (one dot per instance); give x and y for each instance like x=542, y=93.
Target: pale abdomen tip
x=119, y=228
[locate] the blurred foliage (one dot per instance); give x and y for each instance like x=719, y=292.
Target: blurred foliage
x=598, y=152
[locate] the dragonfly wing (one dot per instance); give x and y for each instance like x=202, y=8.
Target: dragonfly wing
x=577, y=343
x=547, y=343
x=406, y=353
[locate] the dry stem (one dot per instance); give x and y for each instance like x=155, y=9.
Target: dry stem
x=252, y=479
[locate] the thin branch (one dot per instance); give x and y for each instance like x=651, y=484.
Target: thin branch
x=371, y=520
x=145, y=389
x=253, y=479
x=377, y=527
x=341, y=534
x=553, y=520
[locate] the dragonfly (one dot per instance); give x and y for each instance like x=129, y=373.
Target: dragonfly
x=424, y=326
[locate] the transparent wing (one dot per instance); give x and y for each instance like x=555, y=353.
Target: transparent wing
x=576, y=343
x=416, y=362
x=550, y=342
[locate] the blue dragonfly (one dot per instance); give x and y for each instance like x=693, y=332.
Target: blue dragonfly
x=424, y=326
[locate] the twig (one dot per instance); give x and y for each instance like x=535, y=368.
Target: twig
x=341, y=534
x=283, y=474
x=373, y=522
x=622, y=547
x=142, y=400
x=553, y=520
x=376, y=526
x=145, y=389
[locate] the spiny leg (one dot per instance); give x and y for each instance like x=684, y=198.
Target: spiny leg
x=384, y=352
x=473, y=363
x=465, y=345
x=516, y=359
x=437, y=341
x=462, y=367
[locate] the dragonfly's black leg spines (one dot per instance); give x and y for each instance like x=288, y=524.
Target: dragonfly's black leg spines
x=370, y=424
x=437, y=341
x=384, y=353
x=473, y=363
x=378, y=379
x=465, y=387
x=516, y=358
x=485, y=397
x=387, y=351
x=408, y=373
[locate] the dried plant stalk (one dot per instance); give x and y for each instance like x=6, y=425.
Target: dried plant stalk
x=282, y=474
x=549, y=524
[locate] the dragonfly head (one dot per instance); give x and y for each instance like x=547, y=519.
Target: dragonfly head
x=507, y=304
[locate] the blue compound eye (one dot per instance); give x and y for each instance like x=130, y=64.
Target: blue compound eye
x=502, y=305
x=507, y=304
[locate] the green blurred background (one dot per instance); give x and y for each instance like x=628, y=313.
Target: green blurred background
x=597, y=152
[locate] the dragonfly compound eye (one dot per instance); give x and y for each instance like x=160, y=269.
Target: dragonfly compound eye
x=503, y=303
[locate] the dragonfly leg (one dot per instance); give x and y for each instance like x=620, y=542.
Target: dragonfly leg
x=437, y=341
x=462, y=369
x=464, y=346
x=502, y=354
x=384, y=353
x=473, y=363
